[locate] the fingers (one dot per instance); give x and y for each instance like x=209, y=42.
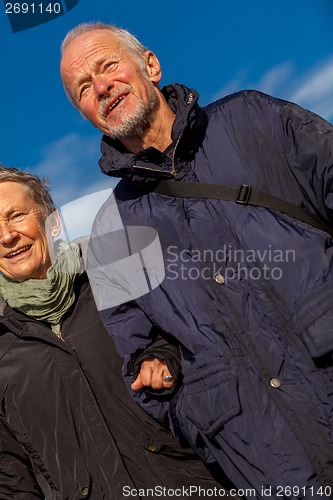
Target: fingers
x=137, y=384
x=154, y=373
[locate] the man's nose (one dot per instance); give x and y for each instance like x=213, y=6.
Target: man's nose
x=102, y=86
x=7, y=234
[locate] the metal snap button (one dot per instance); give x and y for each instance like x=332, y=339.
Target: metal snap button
x=275, y=382
x=85, y=491
x=152, y=447
x=219, y=279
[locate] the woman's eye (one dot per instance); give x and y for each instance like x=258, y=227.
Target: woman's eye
x=16, y=217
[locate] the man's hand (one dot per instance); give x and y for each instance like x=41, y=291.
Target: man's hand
x=154, y=373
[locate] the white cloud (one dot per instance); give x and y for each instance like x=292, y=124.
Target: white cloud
x=234, y=85
x=276, y=78
x=316, y=91
x=71, y=165
x=312, y=89
x=78, y=187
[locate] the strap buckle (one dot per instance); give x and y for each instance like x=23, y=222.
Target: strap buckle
x=243, y=194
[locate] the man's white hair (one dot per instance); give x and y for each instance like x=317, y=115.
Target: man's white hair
x=129, y=41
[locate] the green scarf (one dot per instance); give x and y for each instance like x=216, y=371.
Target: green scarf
x=46, y=299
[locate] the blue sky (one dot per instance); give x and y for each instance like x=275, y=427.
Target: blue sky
x=284, y=48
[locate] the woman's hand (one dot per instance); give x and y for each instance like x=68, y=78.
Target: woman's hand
x=154, y=373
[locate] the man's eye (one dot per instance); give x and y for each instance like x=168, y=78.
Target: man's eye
x=110, y=65
x=83, y=90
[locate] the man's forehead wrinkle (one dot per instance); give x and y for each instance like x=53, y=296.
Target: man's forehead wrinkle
x=91, y=58
x=85, y=58
x=83, y=65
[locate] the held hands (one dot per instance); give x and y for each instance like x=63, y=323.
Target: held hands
x=154, y=373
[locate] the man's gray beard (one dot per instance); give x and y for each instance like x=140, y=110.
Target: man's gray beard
x=135, y=125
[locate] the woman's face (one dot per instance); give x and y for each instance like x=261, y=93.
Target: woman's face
x=24, y=250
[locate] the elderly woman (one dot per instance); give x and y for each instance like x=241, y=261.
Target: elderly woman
x=68, y=427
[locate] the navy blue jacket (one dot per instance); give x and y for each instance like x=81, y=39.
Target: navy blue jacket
x=247, y=291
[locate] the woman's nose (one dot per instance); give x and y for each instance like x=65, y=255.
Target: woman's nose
x=7, y=234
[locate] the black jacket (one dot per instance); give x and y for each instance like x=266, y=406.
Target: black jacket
x=68, y=427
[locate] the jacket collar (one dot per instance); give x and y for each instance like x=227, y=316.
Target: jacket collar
x=25, y=327
x=187, y=133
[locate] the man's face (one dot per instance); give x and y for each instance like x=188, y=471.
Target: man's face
x=111, y=88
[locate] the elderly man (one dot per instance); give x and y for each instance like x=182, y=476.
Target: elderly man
x=240, y=193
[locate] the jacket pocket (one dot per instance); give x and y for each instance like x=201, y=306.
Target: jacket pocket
x=212, y=408
x=56, y=485
x=208, y=401
x=318, y=337
x=314, y=319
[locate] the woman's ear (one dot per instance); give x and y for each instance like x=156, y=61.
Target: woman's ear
x=53, y=226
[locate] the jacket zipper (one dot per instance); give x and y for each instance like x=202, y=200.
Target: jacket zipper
x=59, y=335
x=174, y=154
x=173, y=171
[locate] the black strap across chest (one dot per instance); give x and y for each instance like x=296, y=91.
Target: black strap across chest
x=243, y=195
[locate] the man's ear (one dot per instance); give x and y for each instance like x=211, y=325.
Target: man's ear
x=153, y=67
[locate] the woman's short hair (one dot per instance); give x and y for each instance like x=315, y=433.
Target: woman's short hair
x=39, y=187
